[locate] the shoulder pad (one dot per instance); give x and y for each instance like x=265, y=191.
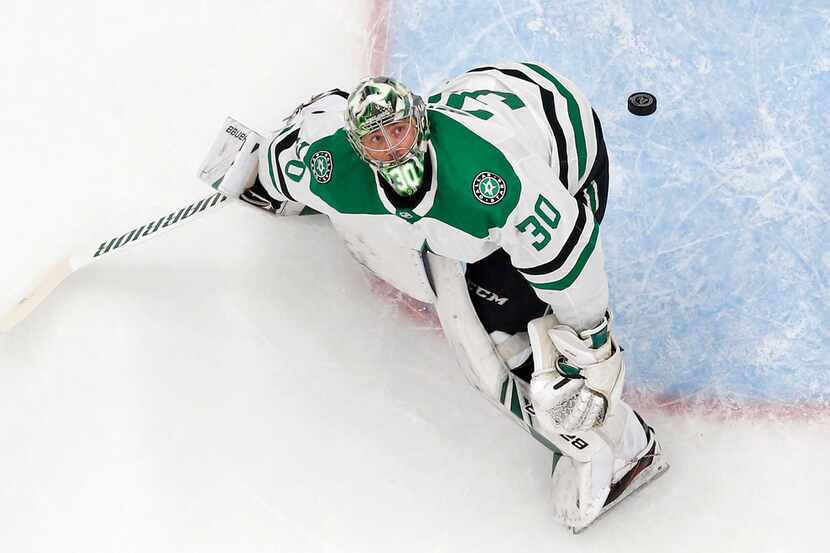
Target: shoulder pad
x=318, y=125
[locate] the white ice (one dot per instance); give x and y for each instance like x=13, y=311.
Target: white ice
x=237, y=385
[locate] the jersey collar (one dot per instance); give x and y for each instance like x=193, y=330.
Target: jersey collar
x=411, y=213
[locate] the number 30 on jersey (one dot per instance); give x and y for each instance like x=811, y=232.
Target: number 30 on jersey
x=541, y=224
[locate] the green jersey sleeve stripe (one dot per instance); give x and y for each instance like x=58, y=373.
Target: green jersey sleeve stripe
x=573, y=114
x=567, y=249
x=569, y=279
x=273, y=158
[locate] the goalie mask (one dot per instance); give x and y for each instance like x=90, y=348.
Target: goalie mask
x=387, y=126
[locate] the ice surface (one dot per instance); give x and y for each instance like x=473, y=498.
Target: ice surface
x=717, y=228
x=239, y=385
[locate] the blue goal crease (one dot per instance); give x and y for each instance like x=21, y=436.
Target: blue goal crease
x=719, y=209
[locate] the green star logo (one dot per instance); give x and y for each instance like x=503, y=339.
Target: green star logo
x=489, y=188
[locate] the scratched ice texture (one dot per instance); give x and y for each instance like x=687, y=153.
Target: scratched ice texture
x=716, y=230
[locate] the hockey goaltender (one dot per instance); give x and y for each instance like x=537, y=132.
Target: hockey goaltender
x=486, y=200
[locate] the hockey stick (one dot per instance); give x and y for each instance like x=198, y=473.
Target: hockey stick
x=87, y=255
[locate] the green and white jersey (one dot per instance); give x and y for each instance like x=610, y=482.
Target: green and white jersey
x=509, y=147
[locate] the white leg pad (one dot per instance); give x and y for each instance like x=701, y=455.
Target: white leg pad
x=484, y=367
x=579, y=489
x=474, y=349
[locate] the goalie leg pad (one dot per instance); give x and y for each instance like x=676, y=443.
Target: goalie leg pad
x=474, y=348
x=581, y=491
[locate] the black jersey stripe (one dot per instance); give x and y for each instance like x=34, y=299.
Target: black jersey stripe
x=599, y=173
x=274, y=158
x=574, y=115
x=600, y=166
x=558, y=134
x=549, y=106
x=570, y=244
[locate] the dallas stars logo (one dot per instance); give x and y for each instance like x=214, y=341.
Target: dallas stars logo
x=489, y=188
x=321, y=166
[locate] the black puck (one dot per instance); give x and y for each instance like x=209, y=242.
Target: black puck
x=642, y=103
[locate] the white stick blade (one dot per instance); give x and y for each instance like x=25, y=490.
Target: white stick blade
x=28, y=303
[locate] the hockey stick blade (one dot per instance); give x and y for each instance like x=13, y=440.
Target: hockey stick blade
x=69, y=265
x=27, y=304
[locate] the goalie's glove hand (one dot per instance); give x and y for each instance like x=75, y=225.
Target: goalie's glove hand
x=566, y=402
x=576, y=374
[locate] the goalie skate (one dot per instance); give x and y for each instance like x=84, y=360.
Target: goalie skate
x=648, y=468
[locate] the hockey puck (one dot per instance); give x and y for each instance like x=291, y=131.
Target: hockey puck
x=642, y=103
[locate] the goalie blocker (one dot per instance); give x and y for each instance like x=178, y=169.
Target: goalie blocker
x=232, y=165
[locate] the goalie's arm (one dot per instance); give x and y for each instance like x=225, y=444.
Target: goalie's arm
x=275, y=159
x=553, y=241
x=283, y=171
x=578, y=368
